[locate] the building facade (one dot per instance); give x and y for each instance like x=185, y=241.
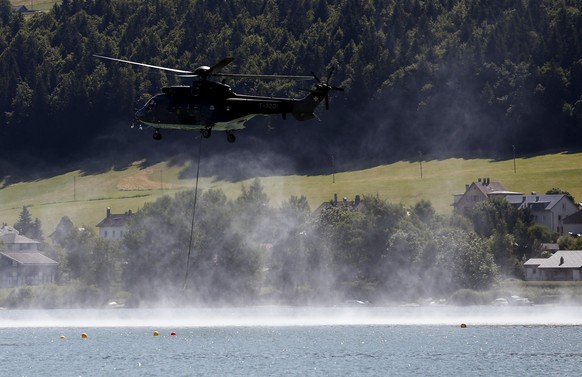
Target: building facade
x=21, y=263
x=114, y=226
x=564, y=265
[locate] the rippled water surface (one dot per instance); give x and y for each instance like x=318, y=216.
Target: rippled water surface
x=271, y=341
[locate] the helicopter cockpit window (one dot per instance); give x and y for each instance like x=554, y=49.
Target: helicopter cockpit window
x=158, y=101
x=151, y=104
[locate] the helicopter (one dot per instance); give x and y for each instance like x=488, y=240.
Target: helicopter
x=208, y=105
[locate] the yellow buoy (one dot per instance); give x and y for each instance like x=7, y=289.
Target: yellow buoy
x=84, y=335
x=62, y=337
x=156, y=333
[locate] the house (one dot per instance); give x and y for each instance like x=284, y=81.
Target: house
x=477, y=192
x=549, y=210
x=564, y=265
x=573, y=224
x=21, y=263
x=549, y=247
x=114, y=226
x=22, y=9
x=335, y=203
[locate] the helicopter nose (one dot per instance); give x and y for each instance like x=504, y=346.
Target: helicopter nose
x=140, y=114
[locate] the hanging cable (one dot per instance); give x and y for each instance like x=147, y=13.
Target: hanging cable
x=193, y=214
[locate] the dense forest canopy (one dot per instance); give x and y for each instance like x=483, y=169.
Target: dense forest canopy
x=443, y=77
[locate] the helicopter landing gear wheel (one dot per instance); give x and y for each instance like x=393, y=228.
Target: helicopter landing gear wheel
x=230, y=137
x=206, y=133
x=157, y=135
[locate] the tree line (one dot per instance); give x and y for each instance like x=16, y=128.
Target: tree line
x=482, y=75
x=245, y=251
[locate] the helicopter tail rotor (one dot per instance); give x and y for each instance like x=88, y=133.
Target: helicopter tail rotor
x=304, y=109
x=325, y=86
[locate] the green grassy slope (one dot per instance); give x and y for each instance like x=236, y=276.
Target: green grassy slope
x=85, y=198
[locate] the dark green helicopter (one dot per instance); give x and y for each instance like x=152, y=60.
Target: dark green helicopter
x=208, y=105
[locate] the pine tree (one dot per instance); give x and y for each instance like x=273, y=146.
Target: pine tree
x=24, y=226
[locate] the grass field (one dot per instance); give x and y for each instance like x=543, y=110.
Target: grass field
x=84, y=198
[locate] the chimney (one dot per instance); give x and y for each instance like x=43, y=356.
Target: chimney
x=357, y=200
x=108, y=212
x=479, y=180
x=335, y=199
x=466, y=188
x=345, y=201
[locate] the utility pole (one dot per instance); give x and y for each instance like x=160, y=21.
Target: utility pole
x=74, y=188
x=332, y=168
x=420, y=161
x=514, y=167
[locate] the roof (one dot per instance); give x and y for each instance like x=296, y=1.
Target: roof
x=563, y=259
x=22, y=9
x=534, y=262
x=575, y=218
x=506, y=192
x=345, y=203
x=34, y=258
x=10, y=235
x=490, y=188
x=535, y=202
x=553, y=247
x=114, y=220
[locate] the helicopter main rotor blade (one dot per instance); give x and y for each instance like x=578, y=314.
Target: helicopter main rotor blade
x=316, y=78
x=268, y=77
x=144, y=65
x=220, y=65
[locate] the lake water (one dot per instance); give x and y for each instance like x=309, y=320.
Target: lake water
x=281, y=341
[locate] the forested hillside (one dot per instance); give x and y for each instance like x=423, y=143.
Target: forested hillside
x=446, y=77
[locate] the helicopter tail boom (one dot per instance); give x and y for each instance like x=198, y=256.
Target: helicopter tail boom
x=304, y=108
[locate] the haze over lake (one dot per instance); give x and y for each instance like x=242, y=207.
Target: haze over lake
x=267, y=341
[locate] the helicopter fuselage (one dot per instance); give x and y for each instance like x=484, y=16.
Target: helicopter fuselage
x=209, y=105
x=212, y=105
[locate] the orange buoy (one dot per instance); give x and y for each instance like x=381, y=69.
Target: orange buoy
x=156, y=333
x=84, y=335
